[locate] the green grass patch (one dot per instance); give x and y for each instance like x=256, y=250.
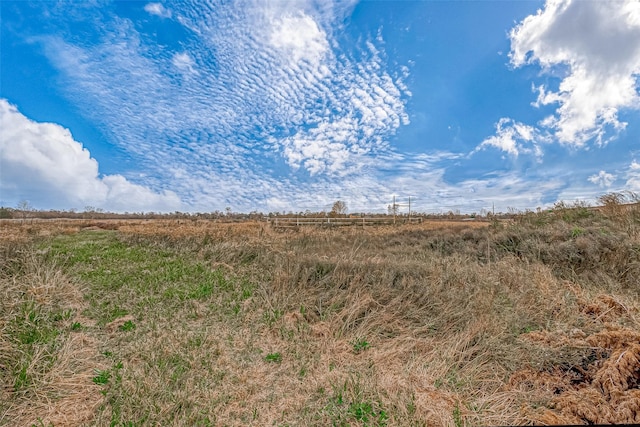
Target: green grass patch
x=134, y=278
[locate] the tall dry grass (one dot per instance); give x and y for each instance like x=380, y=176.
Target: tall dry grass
x=533, y=321
x=447, y=312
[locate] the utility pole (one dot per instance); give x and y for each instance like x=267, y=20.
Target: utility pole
x=395, y=207
x=394, y=210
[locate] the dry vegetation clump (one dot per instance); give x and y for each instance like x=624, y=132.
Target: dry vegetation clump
x=603, y=389
x=27, y=230
x=534, y=321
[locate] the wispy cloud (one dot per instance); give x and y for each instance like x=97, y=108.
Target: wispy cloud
x=602, y=179
x=273, y=85
x=632, y=175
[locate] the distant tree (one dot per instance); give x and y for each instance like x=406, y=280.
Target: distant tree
x=89, y=211
x=339, y=208
x=25, y=209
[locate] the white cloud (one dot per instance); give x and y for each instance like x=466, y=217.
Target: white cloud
x=632, y=176
x=602, y=179
x=184, y=62
x=514, y=138
x=597, y=42
x=300, y=38
x=324, y=148
x=42, y=163
x=157, y=9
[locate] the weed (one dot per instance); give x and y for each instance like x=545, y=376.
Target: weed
x=527, y=329
x=127, y=326
x=111, y=313
x=102, y=377
x=196, y=341
x=411, y=405
x=451, y=380
x=202, y=291
x=321, y=270
x=360, y=345
x=22, y=379
x=457, y=416
x=271, y=316
x=236, y=308
x=247, y=291
x=273, y=357
x=34, y=326
x=365, y=412
x=454, y=380
x=348, y=403
x=577, y=232
x=62, y=315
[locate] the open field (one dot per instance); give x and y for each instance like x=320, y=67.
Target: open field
x=158, y=322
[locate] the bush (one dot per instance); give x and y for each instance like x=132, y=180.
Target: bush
x=6, y=213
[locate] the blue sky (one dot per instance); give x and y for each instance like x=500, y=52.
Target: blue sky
x=291, y=105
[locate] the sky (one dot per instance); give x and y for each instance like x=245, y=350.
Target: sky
x=272, y=106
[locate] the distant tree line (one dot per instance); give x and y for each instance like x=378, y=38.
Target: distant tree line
x=612, y=202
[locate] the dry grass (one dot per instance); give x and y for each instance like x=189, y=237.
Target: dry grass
x=45, y=368
x=442, y=323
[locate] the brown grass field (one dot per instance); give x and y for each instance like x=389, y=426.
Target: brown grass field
x=444, y=323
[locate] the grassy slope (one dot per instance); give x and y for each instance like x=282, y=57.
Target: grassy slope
x=196, y=323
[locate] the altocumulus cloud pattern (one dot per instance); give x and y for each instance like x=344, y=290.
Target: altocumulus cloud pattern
x=247, y=87
x=292, y=104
